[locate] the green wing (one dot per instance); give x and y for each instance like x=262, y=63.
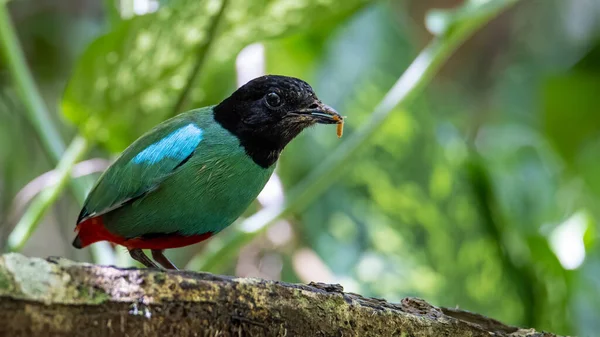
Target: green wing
x=144, y=165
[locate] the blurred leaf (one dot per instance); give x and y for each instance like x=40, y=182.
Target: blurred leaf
x=571, y=112
x=590, y=237
x=446, y=21
x=591, y=61
x=571, y=122
x=112, y=12
x=136, y=76
x=570, y=106
x=587, y=165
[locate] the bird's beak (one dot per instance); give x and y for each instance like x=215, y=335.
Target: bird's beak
x=324, y=114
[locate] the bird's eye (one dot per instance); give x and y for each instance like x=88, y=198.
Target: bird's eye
x=273, y=100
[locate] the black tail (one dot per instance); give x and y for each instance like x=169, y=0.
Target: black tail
x=77, y=242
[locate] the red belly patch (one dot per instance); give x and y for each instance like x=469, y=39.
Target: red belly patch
x=92, y=230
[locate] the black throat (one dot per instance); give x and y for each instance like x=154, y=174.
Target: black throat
x=263, y=150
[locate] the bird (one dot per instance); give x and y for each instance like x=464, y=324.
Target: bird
x=194, y=174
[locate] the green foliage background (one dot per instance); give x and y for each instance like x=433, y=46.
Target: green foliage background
x=456, y=199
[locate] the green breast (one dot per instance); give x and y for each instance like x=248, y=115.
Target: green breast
x=208, y=193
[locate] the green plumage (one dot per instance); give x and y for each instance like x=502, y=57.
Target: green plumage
x=155, y=187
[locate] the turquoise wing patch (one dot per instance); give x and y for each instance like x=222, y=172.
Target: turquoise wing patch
x=178, y=145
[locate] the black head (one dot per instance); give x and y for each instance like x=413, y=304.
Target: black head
x=269, y=111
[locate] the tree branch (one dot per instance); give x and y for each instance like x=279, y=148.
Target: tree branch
x=58, y=297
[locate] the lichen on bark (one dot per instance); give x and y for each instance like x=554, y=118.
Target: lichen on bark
x=58, y=297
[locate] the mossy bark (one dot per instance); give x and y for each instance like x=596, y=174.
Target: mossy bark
x=58, y=297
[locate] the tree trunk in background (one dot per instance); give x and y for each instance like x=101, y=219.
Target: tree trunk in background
x=58, y=297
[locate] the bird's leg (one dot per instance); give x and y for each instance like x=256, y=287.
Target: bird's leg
x=138, y=255
x=158, y=256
